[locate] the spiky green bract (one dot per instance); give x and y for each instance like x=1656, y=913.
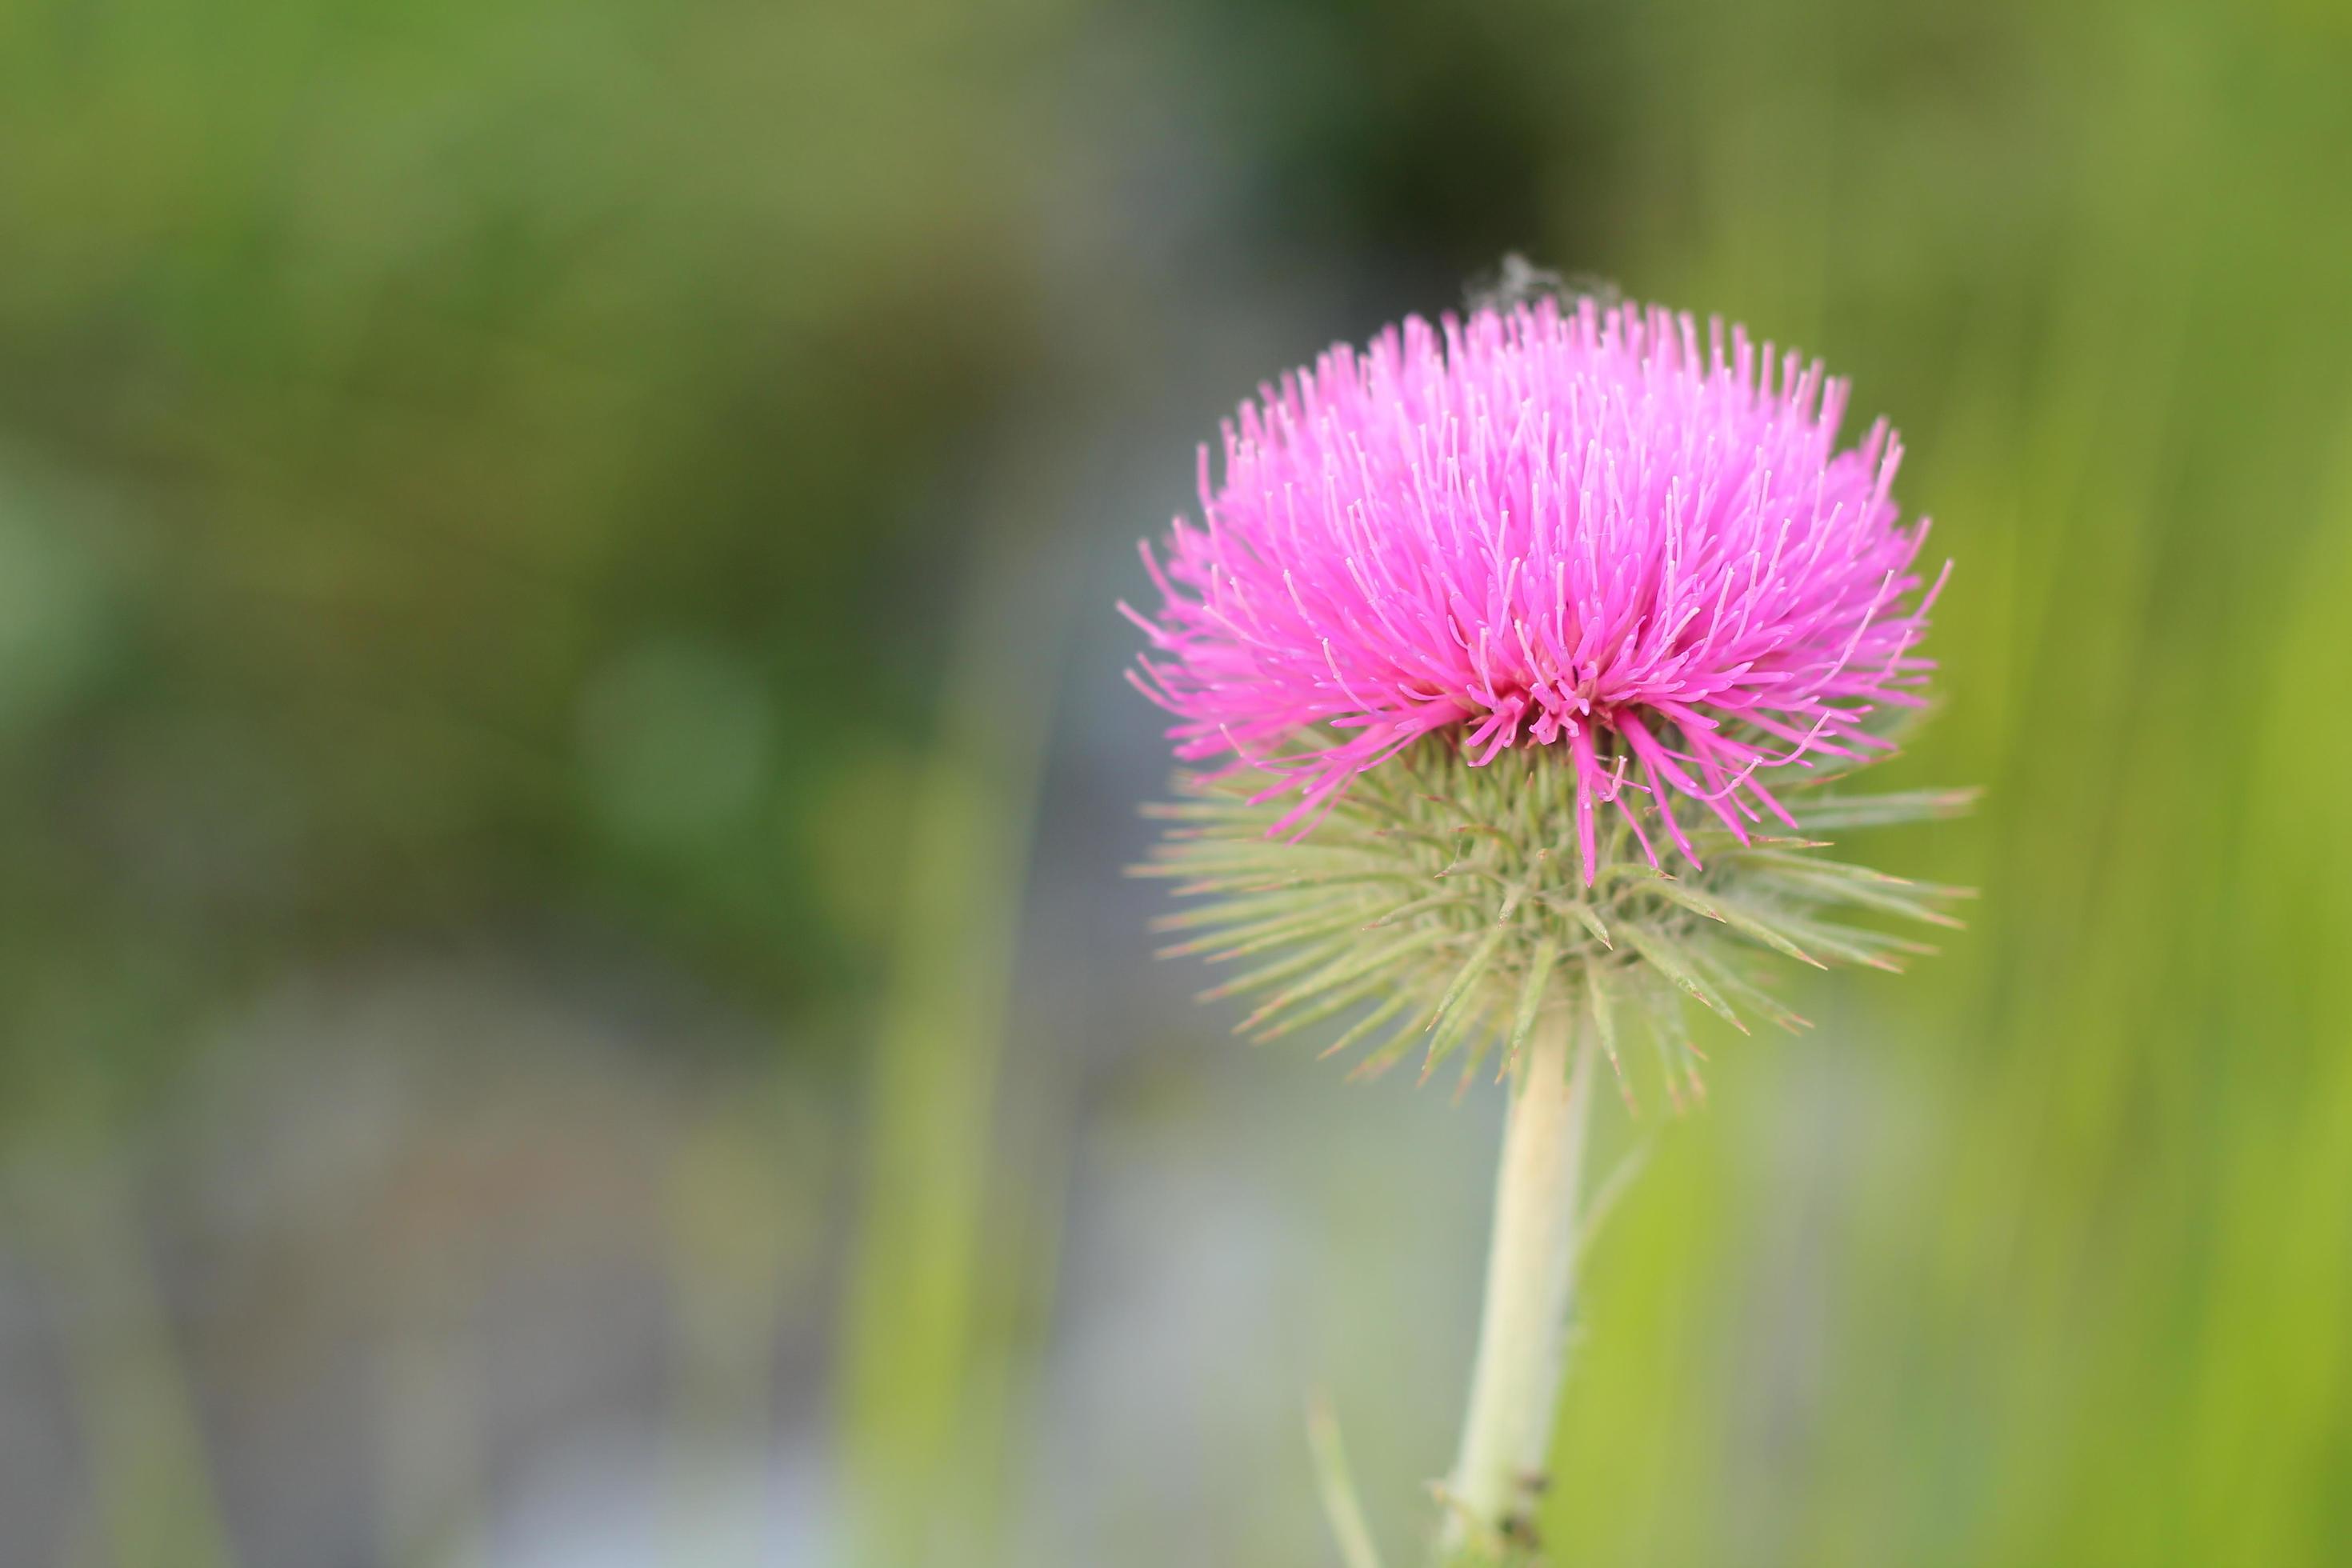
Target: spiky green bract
x=1443, y=909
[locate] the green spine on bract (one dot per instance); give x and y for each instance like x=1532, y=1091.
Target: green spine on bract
x=1445, y=906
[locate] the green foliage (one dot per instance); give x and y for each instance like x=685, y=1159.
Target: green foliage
x=436, y=481
x=1451, y=903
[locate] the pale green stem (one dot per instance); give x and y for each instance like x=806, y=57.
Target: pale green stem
x=1531, y=1278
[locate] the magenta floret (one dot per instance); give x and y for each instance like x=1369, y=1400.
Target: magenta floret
x=1544, y=526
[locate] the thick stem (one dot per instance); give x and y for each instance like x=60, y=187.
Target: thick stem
x=1531, y=1276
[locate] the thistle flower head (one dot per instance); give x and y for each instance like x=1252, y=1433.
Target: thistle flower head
x=1515, y=651
x=1567, y=528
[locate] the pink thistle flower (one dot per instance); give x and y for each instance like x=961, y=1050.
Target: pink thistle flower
x=1544, y=526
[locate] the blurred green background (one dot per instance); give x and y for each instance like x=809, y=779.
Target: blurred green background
x=564, y=993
